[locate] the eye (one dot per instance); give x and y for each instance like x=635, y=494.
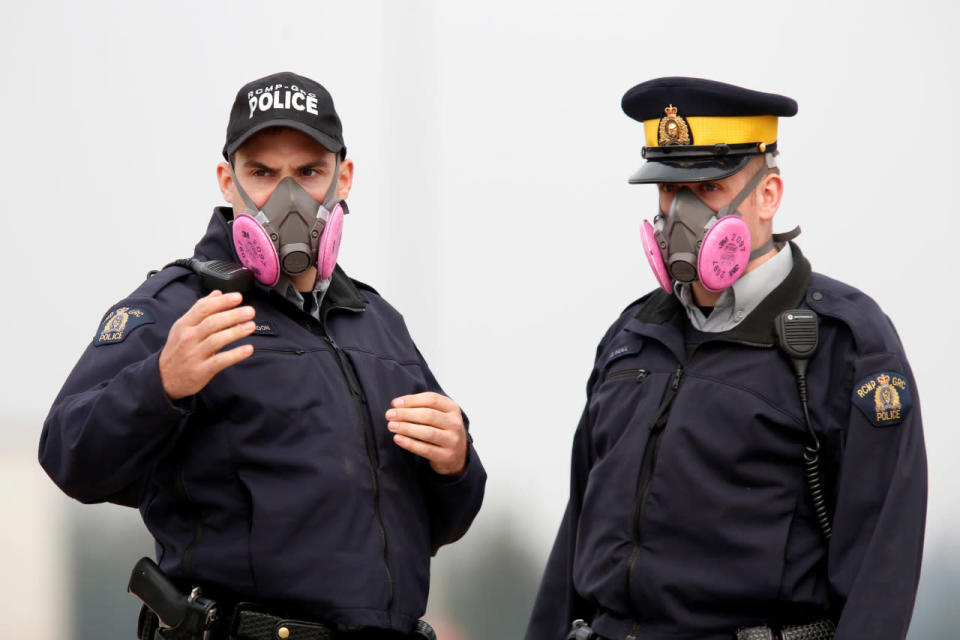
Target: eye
x=309, y=173
x=668, y=188
x=709, y=186
x=260, y=173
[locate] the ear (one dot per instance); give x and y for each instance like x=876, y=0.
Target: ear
x=225, y=181
x=345, y=179
x=769, y=193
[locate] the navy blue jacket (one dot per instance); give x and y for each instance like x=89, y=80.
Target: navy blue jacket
x=279, y=481
x=689, y=513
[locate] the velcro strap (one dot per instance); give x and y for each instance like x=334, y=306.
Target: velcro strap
x=253, y=625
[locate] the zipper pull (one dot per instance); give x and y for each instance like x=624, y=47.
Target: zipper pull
x=663, y=411
x=642, y=375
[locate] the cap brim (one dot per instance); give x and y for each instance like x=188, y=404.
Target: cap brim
x=656, y=171
x=326, y=141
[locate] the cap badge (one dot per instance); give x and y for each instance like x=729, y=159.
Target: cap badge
x=673, y=129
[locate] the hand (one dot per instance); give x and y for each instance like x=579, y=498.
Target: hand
x=431, y=426
x=190, y=358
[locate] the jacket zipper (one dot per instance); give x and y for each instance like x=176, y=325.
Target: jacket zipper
x=369, y=440
x=180, y=491
x=648, y=465
x=639, y=374
x=286, y=352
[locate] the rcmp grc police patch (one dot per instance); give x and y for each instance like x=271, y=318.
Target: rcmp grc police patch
x=884, y=398
x=119, y=323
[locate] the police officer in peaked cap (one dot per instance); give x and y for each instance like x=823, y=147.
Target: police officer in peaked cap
x=750, y=460
x=286, y=444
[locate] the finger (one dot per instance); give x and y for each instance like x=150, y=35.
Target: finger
x=430, y=417
x=211, y=304
x=427, y=399
x=220, y=361
x=423, y=449
x=214, y=342
x=223, y=319
x=422, y=433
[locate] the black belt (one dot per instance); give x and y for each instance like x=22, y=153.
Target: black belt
x=819, y=630
x=250, y=624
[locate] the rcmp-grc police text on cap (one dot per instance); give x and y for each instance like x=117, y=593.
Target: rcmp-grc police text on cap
x=698, y=130
x=284, y=100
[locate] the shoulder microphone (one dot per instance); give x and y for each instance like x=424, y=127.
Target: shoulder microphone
x=218, y=274
x=798, y=335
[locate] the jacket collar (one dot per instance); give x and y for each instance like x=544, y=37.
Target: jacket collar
x=217, y=244
x=662, y=316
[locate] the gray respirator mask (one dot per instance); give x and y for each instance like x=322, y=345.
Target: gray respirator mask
x=290, y=233
x=694, y=242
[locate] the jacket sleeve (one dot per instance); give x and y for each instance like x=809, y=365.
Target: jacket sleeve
x=558, y=603
x=111, y=418
x=453, y=502
x=877, y=543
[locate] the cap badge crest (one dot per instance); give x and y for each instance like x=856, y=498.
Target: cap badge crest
x=886, y=398
x=673, y=129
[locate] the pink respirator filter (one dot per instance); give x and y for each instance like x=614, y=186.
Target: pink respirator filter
x=654, y=257
x=724, y=253
x=255, y=250
x=330, y=243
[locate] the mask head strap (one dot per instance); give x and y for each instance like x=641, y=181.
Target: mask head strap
x=769, y=166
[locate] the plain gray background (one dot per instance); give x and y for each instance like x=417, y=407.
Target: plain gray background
x=490, y=203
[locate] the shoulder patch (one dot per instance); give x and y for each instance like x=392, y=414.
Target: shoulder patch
x=884, y=398
x=119, y=323
x=621, y=350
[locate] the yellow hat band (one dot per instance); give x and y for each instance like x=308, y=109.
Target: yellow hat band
x=709, y=130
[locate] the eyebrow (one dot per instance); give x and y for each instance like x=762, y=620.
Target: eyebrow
x=319, y=162
x=253, y=164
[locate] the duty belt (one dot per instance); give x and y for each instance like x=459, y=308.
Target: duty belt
x=253, y=625
x=819, y=630
x=250, y=624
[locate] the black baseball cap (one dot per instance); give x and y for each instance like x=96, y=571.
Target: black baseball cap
x=698, y=130
x=284, y=100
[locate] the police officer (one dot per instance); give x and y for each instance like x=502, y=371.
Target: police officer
x=750, y=461
x=287, y=447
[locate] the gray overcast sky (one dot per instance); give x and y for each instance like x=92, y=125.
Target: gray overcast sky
x=490, y=202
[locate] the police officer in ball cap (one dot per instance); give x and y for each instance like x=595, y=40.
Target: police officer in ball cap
x=750, y=461
x=286, y=443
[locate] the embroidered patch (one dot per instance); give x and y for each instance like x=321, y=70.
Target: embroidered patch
x=884, y=398
x=264, y=329
x=622, y=350
x=119, y=323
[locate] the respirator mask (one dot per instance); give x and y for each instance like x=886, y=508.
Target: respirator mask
x=694, y=242
x=290, y=233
